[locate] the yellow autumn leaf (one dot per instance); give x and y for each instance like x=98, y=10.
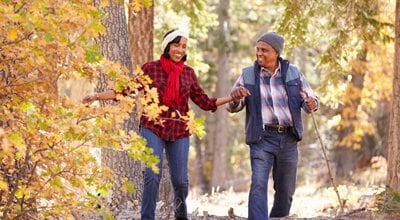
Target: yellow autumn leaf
x=194, y=125
x=136, y=5
x=122, y=132
x=12, y=35
x=19, y=193
x=3, y=185
x=103, y=3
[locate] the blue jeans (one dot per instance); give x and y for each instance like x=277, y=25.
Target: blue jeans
x=177, y=153
x=279, y=152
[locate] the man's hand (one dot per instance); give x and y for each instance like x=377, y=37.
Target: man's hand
x=239, y=92
x=311, y=104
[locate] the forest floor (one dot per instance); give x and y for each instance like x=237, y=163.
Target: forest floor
x=312, y=201
x=309, y=203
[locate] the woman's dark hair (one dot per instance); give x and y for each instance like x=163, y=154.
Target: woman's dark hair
x=176, y=40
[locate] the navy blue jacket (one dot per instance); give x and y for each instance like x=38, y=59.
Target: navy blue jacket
x=254, y=122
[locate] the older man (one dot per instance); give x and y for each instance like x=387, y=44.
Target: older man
x=275, y=91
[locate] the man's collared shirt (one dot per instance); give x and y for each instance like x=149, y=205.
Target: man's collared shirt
x=274, y=99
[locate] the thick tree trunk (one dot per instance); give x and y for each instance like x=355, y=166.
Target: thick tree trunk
x=115, y=46
x=393, y=175
x=141, y=33
x=220, y=159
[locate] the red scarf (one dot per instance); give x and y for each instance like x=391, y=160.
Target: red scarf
x=171, y=93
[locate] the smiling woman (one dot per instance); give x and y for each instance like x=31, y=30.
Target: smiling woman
x=176, y=83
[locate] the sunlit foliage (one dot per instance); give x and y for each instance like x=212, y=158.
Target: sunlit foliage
x=353, y=41
x=48, y=144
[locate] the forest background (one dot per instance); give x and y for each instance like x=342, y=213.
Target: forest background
x=53, y=53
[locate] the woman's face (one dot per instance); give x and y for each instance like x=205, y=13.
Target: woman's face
x=178, y=50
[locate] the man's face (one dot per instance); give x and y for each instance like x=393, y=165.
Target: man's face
x=266, y=55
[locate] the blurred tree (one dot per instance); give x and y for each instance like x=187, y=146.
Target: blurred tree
x=350, y=76
x=393, y=175
x=220, y=146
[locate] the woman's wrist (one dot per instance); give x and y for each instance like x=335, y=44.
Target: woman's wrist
x=97, y=96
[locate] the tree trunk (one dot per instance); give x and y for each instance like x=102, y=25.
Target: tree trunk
x=220, y=158
x=196, y=167
x=345, y=155
x=115, y=47
x=393, y=174
x=209, y=149
x=141, y=34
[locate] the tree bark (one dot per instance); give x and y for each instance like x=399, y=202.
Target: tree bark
x=141, y=34
x=115, y=47
x=393, y=174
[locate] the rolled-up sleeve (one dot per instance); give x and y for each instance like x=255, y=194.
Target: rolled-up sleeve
x=307, y=91
x=238, y=105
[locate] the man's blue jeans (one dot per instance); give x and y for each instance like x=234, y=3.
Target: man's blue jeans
x=279, y=152
x=177, y=155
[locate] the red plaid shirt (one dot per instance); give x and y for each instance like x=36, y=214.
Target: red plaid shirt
x=172, y=128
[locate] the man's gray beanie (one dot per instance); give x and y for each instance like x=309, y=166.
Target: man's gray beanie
x=274, y=39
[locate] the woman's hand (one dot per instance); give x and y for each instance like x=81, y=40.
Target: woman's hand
x=90, y=99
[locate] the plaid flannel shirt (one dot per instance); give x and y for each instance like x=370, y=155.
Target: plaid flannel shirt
x=173, y=127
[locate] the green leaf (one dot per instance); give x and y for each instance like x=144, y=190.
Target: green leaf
x=98, y=27
x=93, y=54
x=28, y=107
x=48, y=37
x=130, y=187
x=56, y=182
x=112, y=74
x=17, y=139
x=103, y=191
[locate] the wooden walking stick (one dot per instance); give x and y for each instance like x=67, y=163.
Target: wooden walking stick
x=326, y=158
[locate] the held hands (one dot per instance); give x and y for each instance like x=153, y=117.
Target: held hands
x=239, y=92
x=311, y=104
x=90, y=98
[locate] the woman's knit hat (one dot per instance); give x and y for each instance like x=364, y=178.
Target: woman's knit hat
x=274, y=39
x=171, y=36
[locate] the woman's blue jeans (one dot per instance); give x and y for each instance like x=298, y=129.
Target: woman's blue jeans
x=279, y=152
x=177, y=153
